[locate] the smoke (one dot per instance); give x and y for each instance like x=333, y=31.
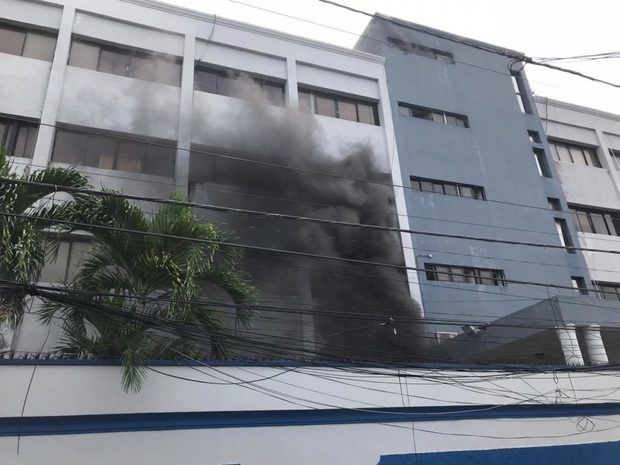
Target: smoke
x=265, y=134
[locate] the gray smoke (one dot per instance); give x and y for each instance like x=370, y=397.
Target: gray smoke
x=281, y=136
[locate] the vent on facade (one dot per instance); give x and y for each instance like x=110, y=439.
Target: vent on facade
x=444, y=335
x=421, y=50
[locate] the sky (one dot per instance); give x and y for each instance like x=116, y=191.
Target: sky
x=538, y=28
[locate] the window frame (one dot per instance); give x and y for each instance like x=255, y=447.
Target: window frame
x=30, y=30
x=465, y=274
x=427, y=113
x=478, y=192
x=422, y=50
x=584, y=222
x=337, y=98
x=9, y=137
x=588, y=154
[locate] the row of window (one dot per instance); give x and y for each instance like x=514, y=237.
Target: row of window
x=114, y=153
x=597, y=221
x=321, y=103
x=431, y=114
x=574, y=153
x=464, y=274
x=448, y=188
x=28, y=43
x=422, y=50
x=155, y=67
x=18, y=137
x=608, y=291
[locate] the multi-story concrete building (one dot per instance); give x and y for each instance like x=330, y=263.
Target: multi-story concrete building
x=585, y=145
x=474, y=162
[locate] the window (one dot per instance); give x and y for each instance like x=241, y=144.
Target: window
x=438, y=116
x=337, y=106
x=573, y=153
x=144, y=65
x=608, y=291
x=421, y=50
x=114, y=153
x=521, y=91
x=26, y=42
x=18, y=137
x=564, y=234
x=554, y=204
x=615, y=156
x=534, y=136
x=579, y=284
x=448, y=188
x=541, y=163
x=218, y=81
x=464, y=274
x=597, y=221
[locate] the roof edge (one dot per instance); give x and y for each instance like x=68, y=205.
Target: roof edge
x=575, y=107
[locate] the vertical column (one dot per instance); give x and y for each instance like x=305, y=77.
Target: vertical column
x=594, y=345
x=43, y=147
x=184, y=138
x=570, y=345
x=292, y=97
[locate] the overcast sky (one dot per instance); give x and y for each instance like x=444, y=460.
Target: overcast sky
x=539, y=28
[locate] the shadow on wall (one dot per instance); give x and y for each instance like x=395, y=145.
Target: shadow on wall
x=347, y=310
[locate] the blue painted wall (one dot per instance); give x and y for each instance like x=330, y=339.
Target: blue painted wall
x=604, y=453
x=496, y=153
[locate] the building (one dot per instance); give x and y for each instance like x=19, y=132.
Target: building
x=474, y=162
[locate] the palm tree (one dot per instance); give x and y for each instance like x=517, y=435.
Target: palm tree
x=139, y=290
x=28, y=213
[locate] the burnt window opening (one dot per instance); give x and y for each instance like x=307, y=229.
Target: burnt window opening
x=227, y=82
x=421, y=50
x=432, y=114
x=574, y=153
x=27, y=42
x=465, y=274
x=596, y=220
x=138, y=64
x=114, y=152
x=17, y=137
x=338, y=106
x=448, y=188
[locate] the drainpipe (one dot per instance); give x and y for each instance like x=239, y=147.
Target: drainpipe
x=594, y=345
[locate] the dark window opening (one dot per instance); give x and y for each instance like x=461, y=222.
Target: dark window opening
x=564, y=234
x=465, y=274
x=27, y=42
x=607, y=290
x=18, y=138
x=448, y=188
x=521, y=91
x=138, y=64
x=541, y=163
x=579, y=284
x=554, y=204
x=114, y=153
x=438, y=116
x=534, y=136
x=574, y=153
x=337, y=106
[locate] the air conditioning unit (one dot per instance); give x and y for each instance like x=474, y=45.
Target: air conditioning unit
x=444, y=335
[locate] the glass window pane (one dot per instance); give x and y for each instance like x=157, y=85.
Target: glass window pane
x=598, y=223
x=563, y=154
x=11, y=41
x=143, y=66
x=442, y=273
x=84, y=55
x=114, y=62
x=205, y=81
x=610, y=224
x=415, y=184
x=347, y=110
x=131, y=156
x=437, y=117
x=24, y=143
x=469, y=275
x=305, y=101
x=426, y=186
x=438, y=187
x=458, y=274
x=100, y=152
x=3, y=133
x=160, y=161
x=273, y=93
x=325, y=106
x=615, y=219
x=584, y=222
x=466, y=191
x=451, y=120
x=577, y=155
x=168, y=71
x=39, y=46
x=366, y=113
x=404, y=111
x=450, y=189
x=591, y=157
x=422, y=113
x=486, y=277
x=69, y=147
